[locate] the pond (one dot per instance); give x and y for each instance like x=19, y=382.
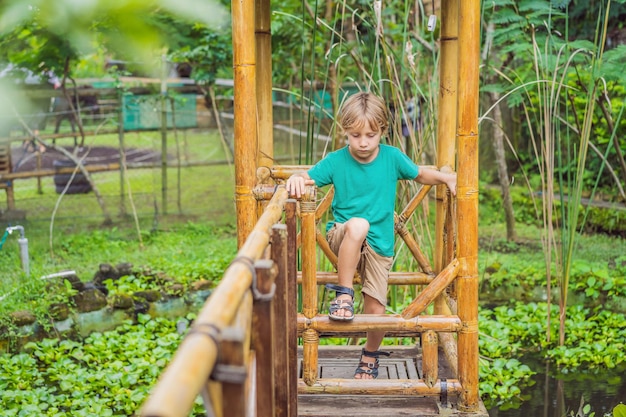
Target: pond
x=558, y=395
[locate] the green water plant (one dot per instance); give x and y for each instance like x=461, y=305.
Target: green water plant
x=106, y=374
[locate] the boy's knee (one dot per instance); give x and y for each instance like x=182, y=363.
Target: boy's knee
x=357, y=228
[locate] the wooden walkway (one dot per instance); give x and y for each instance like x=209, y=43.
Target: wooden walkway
x=404, y=363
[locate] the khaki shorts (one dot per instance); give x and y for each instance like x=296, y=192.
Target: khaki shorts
x=372, y=267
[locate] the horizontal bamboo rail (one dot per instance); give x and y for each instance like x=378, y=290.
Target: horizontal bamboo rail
x=188, y=372
x=379, y=387
x=282, y=172
x=386, y=322
x=395, y=278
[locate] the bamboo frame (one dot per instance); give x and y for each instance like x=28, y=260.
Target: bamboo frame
x=196, y=357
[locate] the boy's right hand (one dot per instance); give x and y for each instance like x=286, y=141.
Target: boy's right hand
x=296, y=184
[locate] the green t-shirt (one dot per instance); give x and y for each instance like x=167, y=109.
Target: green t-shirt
x=366, y=190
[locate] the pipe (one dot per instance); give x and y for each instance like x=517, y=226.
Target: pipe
x=23, y=243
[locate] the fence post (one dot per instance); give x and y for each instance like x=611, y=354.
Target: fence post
x=292, y=307
x=232, y=350
x=310, y=337
x=263, y=335
x=281, y=349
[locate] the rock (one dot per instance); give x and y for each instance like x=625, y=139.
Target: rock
x=59, y=311
x=124, y=269
x=89, y=300
x=148, y=295
x=22, y=317
x=176, y=289
x=121, y=301
x=142, y=307
x=201, y=285
x=105, y=271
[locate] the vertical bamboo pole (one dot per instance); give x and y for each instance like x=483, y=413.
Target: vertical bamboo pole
x=430, y=360
x=292, y=307
x=263, y=339
x=446, y=119
x=281, y=351
x=446, y=147
x=467, y=201
x=310, y=337
x=245, y=126
x=263, y=35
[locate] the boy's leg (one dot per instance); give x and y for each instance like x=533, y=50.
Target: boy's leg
x=347, y=243
x=375, y=273
x=374, y=338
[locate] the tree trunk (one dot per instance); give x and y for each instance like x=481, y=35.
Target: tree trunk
x=503, y=176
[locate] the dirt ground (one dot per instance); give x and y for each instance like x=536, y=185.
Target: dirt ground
x=25, y=160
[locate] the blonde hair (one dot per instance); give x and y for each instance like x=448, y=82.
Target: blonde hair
x=363, y=108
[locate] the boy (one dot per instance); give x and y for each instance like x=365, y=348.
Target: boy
x=364, y=174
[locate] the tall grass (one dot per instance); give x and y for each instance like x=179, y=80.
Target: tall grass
x=561, y=136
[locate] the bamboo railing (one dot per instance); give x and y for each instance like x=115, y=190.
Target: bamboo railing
x=242, y=338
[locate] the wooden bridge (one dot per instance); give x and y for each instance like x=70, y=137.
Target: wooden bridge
x=242, y=354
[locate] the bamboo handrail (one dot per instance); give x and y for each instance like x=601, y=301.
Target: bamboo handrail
x=195, y=358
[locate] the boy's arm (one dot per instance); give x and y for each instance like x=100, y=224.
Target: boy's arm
x=297, y=182
x=428, y=176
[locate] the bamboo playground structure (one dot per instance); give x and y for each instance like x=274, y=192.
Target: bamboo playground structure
x=241, y=354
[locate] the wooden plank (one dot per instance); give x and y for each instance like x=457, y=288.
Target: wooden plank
x=362, y=406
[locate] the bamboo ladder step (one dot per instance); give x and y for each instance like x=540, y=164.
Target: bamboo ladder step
x=395, y=278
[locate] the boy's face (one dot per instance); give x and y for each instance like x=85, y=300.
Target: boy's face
x=363, y=143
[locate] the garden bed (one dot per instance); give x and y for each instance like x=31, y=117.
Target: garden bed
x=116, y=295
